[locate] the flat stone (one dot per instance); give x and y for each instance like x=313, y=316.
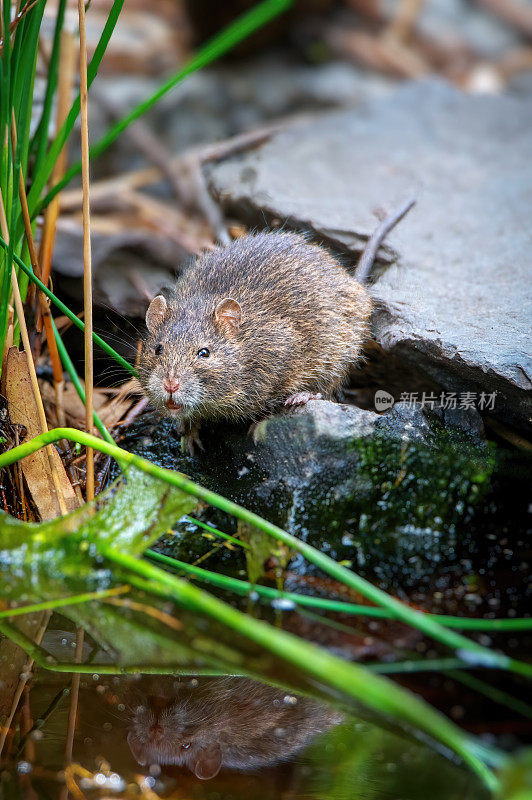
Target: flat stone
x=454, y=300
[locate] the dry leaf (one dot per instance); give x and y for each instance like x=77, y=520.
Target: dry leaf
x=36, y=467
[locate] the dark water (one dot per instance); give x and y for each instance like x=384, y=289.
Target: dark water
x=273, y=744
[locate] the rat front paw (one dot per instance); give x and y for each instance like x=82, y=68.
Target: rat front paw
x=190, y=441
x=301, y=398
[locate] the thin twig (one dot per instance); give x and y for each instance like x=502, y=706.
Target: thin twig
x=216, y=151
x=367, y=258
x=506, y=433
x=26, y=724
x=73, y=710
x=18, y=17
x=26, y=739
x=72, y=772
x=87, y=264
x=19, y=480
x=151, y=611
x=133, y=413
x=193, y=179
x=518, y=15
x=184, y=175
x=24, y=677
x=61, y=602
x=404, y=19
x=167, y=220
x=146, y=142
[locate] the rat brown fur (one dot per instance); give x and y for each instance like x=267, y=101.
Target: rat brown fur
x=227, y=722
x=268, y=320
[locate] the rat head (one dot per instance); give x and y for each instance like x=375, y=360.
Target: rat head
x=189, y=354
x=173, y=733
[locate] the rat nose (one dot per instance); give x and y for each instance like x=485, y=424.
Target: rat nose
x=170, y=385
x=156, y=729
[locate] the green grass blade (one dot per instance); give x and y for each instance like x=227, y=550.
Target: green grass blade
x=40, y=139
x=6, y=59
x=341, y=606
x=34, y=43
x=62, y=602
x=5, y=165
x=495, y=694
x=216, y=532
x=24, y=77
x=469, y=651
x=74, y=377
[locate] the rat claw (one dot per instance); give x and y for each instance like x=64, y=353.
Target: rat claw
x=257, y=430
x=191, y=440
x=301, y=398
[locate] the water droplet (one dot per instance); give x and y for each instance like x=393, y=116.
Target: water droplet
x=116, y=781
x=479, y=658
x=283, y=604
x=290, y=700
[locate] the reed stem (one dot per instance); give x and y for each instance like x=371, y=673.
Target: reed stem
x=87, y=260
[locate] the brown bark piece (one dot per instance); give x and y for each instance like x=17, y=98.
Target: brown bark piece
x=36, y=467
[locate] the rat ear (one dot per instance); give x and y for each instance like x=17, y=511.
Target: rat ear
x=228, y=312
x=208, y=762
x=136, y=748
x=156, y=313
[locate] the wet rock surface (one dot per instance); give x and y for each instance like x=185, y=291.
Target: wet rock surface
x=385, y=492
x=454, y=300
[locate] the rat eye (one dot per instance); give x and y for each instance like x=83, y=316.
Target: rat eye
x=185, y=746
x=158, y=349
x=203, y=353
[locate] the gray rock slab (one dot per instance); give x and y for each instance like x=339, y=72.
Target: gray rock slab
x=454, y=299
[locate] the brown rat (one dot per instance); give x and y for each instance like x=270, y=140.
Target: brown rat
x=227, y=722
x=268, y=320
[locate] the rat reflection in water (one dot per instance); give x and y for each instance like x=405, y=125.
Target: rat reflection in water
x=213, y=723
